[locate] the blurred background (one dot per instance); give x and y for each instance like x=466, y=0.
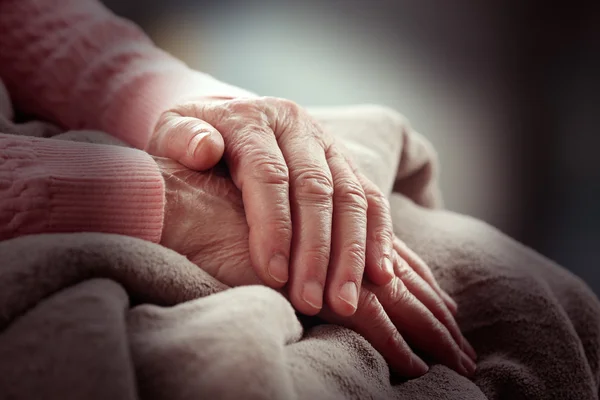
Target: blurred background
x=507, y=91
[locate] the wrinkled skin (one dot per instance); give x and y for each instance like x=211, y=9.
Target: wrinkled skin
x=317, y=225
x=214, y=235
x=205, y=221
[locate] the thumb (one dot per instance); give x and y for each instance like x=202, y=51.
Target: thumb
x=188, y=140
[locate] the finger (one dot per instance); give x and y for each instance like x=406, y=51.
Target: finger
x=372, y=322
x=424, y=293
x=420, y=327
x=311, y=202
x=421, y=268
x=186, y=139
x=259, y=171
x=450, y=303
x=349, y=234
x=379, y=265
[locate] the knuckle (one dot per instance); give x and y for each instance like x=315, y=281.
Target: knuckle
x=269, y=169
x=355, y=255
x=290, y=106
x=239, y=119
x=377, y=200
x=399, y=293
x=351, y=193
x=370, y=305
x=382, y=234
x=314, y=184
x=284, y=109
x=187, y=108
x=243, y=107
x=403, y=271
x=281, y=227
x=317, y=258
x=244, y=131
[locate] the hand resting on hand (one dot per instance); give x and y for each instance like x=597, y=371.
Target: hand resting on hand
x=316, y=223
x=205, y=221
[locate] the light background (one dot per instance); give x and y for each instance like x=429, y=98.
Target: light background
x=336, y=53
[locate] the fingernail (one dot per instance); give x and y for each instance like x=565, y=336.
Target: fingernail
x=468, y=365
x=449, y=300
x=313, y=294
x=349, y=294
x=387, y=266
x=278, y=268
x=195, y=142
x=469, y=349
x=420, y=365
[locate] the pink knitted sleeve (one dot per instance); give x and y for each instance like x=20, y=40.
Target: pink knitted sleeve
x=49, y=185
x=75, y=63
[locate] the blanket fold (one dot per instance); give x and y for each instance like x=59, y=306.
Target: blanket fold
x=96, y=316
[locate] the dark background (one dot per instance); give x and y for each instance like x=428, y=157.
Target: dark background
x=507, y=91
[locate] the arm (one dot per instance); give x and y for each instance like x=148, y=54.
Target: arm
x=75, y=63
x=49, y=186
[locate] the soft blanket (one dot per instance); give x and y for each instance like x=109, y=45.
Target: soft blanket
x=94, y=316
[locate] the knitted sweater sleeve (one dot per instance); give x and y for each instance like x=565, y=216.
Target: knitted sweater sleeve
x=49, y=186
x=75, y=63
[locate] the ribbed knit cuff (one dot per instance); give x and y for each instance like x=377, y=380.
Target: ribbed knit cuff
x=140, y=103
x=83, y=187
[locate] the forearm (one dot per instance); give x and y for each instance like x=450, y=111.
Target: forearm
x=51, y=186
x=75, y=63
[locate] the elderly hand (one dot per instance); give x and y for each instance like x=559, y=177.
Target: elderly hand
x=205, y=221
x=409, y=309
x=308, y=209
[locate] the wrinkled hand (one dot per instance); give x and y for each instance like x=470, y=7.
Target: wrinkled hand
x=205, y=221
x=412, y=308
x=313, y=218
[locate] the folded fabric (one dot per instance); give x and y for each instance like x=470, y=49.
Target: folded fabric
x=99, y=316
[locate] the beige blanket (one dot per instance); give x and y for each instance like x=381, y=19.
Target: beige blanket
x=93, y=316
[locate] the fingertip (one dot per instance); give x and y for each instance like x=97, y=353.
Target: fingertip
x=467, y=366
x=382, y=273
x=278, y=269
x=205, y=150
x=188, y=140
x=414, y=367
x=420, y=367
x=469, y=350
x=344, y=300
x=450, y=303
x=308, y=298
x=306, y=310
